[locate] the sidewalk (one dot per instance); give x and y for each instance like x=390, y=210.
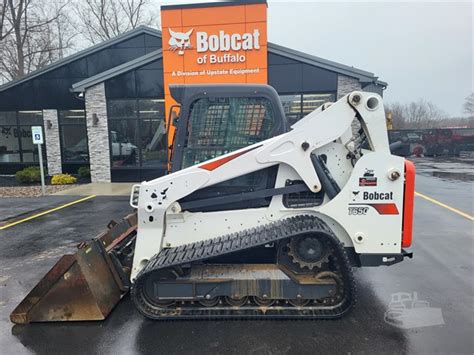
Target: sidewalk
x=99, y=189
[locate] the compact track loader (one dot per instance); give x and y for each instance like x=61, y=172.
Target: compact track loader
x=254, y=220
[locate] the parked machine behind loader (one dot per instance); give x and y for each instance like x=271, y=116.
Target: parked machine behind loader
x=254, y=220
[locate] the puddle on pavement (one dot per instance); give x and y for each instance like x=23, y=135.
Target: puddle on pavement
x=445, y=168
x=463, y=176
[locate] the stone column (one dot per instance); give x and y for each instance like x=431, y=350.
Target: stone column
x=98, y=133
x=52, y=142
x=346, y=85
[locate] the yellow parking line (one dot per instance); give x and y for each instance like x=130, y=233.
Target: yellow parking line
x=452, y=209
x=46, y=212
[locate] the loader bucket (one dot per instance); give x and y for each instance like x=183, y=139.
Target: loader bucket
x=86, y=285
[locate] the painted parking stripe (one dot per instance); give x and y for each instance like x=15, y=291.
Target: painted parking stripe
x=46, y=212
x=432, y=200
x=452, y=209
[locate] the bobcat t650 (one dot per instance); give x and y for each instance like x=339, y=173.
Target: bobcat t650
x=255, y=219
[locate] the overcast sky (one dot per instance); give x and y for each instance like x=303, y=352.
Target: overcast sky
x=422, y=49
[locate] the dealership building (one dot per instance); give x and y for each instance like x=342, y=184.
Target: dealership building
x=105, y=107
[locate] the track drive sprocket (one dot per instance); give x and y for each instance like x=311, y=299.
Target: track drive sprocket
x=309, y=252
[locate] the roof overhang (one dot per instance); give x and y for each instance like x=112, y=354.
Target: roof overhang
x=81, y=86
x=362, y=75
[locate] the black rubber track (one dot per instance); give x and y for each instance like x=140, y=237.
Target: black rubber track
x=246, y=239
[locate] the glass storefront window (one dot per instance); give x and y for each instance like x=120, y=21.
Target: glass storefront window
x=152, y=108
x=29, y=151
x=153, y=142
x=312, y=101
x=123, y=143
x=26, y=119
x=74, y=144
x=32, y=118
x=73, y=133
x=72, y=117
x=122, y=109
x=8, y=118
x=296, y=106
x=292, y=107
x=137, y=133
x=16, y=145
x=9, y=144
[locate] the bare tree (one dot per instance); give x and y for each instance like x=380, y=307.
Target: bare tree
x=33, y=35
x=398, y=114
x=104, y=19
x=5, y=26
x=419, y=114
x=469, y=105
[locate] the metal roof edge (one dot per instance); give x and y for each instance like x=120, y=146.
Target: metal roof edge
x=320, y=62
x=126, y=35
x=119, y=69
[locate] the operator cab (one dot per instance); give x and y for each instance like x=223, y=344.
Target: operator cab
x=218, y=119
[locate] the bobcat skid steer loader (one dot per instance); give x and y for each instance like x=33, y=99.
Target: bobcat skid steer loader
x=254, y=220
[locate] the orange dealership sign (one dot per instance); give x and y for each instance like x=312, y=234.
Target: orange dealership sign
x=218, y=43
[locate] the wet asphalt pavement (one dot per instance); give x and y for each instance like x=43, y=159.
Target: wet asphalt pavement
x=441, y=274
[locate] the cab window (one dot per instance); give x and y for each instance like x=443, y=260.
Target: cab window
x=217, y=126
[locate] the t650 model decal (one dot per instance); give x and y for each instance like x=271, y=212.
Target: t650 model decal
x=381, y=208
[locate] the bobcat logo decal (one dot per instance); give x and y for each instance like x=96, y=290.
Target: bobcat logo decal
x=180, y=40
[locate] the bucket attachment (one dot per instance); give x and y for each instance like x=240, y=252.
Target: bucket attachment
x=86, y=285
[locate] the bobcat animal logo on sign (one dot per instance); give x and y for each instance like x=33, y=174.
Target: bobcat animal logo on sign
x=180, y=41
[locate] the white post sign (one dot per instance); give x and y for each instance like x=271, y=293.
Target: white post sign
x=37, y=135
